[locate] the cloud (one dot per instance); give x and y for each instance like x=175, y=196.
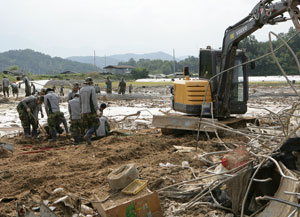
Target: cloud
x=67, y=28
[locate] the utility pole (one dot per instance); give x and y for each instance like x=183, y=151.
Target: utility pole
x=174, y=69
x=95, y=60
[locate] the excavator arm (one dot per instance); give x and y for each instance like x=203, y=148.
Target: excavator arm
x=265, y=12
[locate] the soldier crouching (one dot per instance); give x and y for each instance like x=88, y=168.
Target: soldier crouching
x=28, y=114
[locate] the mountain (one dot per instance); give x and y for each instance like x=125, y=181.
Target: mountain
x=115, y=59
x=39, y=63
x=100, y=61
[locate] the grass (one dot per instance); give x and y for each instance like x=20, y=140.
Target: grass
x=271, y=83
x=100, y=79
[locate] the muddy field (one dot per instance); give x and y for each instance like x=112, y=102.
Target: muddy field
x=35, y=170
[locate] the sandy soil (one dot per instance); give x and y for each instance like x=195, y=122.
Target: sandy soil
x=33, y=172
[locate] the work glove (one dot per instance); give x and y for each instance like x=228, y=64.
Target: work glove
x=28, y=110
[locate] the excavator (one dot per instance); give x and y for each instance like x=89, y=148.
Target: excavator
x=222, y=87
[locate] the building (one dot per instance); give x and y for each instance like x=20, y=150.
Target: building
x=13, y=72
x=118, y=69
x=68, y=72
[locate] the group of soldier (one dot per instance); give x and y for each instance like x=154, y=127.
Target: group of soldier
x=83, y=107
x=85, y=112
x=30, y=89
x=15, y=87
x=108, y=85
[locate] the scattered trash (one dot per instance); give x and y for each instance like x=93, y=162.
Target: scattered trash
x=135, y=187
x=143, y=204
x=122, y=176
x=66, y=200
x=7, y=146
x=46, y=211
x=185, y=164
x=86, y=210
x=236, y=158
x=7, y=199
x=166, y=165
x=57, y=190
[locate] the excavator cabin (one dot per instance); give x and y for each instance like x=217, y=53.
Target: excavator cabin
x=191, y=96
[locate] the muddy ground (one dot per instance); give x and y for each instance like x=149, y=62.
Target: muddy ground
x=33, y=172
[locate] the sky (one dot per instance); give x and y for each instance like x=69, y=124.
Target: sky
x=66, y=28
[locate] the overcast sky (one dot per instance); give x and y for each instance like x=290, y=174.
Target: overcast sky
x=78, y=27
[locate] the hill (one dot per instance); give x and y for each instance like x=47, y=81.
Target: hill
x=115, y=59
x=39, y=63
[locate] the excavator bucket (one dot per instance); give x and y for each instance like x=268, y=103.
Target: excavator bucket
x=294, y=12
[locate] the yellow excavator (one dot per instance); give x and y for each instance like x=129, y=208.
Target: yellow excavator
x=222, y=87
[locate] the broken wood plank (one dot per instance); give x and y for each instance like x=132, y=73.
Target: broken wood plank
x=145, y=205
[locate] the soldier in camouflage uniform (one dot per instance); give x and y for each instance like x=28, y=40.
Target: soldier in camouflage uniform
x=89, y=109
x=5, y=85
x=55, y=117
x=27, y=85
x=28, y=114
x=122, y=86
x=74, y=90
x=15, y=90
x=108, y=85
x=75, y=118
x=33, y=89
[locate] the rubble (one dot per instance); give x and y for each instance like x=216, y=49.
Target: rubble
x=186, y=179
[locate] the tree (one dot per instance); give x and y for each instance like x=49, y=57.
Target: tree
x=140, y=73
x=12, y=68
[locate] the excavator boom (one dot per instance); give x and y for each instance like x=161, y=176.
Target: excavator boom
x=265, y=12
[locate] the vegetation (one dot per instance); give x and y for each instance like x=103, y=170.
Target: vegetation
x=48, y=67
x=164, y=66
x=254, y=49
x=267, y=65
x=38, y=63
x=12, y=68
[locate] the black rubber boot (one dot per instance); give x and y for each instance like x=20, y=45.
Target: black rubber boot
x=76, y=140
x=27, y=132
x=53, y=135
x=34, y=133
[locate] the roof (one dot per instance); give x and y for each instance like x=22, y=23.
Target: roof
x=13, y=72
x=119, y=67
x=68, y=72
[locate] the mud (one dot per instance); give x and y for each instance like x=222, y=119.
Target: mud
x=35, y=169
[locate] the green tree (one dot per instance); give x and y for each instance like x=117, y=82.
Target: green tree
x=140, y=73
x=12, y=68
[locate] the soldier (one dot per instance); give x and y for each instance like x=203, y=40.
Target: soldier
x=33, y=88
x=54, y=88
x=97, y=88
x=61, y=91
x=104, y=128
x=108, y=85
x=27, y=85
x=75, y=90
x=15, y=90
x=28, y=114
x=130, y=88
x=89, y=109
x=122, y=86
x=42, y=92
x=75, y=119
x=55, y=117
x=5, y=85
